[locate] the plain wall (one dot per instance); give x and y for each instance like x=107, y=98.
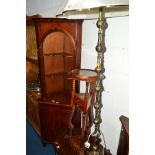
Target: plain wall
x=115, y=96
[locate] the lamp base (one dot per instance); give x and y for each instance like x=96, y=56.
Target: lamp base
x=99, y=151
x=95, y=147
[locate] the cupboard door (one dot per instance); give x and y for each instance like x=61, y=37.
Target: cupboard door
x=53, y=118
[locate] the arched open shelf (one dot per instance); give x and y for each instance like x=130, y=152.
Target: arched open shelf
x=58, y=53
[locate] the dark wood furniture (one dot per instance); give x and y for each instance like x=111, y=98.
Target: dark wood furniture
x=123, y=147
x=31, y=49
x=51, y=110
x=59, y=51
x=71, y=140
x=32, y=71
x=84, y=101
x=32, y=111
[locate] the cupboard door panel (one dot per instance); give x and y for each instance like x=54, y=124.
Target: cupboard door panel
x=53, y=118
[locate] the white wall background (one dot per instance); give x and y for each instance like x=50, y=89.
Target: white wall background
x=115, y=97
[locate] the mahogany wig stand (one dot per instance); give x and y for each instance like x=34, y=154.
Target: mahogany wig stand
x=71, y=140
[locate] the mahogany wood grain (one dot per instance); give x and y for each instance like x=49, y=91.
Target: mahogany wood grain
x=83, y=101
x=32, y=110
x=59, y=51
x=123, y=146
x=57, y=36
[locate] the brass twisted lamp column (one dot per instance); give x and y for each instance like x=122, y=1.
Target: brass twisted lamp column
x=95, y=147
x=112, y=5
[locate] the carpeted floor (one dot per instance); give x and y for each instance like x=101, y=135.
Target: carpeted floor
x=34, y=145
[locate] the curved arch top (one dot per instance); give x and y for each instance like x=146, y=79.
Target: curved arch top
x=58, y=41
x=59, y=51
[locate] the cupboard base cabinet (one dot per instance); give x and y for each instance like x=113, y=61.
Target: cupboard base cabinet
x=53, y=117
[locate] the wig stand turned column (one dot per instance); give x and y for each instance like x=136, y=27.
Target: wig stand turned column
x=95, y=138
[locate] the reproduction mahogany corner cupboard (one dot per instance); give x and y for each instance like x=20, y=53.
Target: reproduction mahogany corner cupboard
x=59, y=51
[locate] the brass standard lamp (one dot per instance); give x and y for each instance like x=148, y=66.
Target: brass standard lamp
x=102, y=6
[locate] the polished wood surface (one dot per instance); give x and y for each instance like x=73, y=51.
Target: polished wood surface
x=83, y=74
x=56, y=114
x=32, y=111
x=32, y=71
x=59, y=51
x=31, y=49
x=55, y=111
x=31, y=45
x=84, y=101
x=123, y=146
x=125, y=124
